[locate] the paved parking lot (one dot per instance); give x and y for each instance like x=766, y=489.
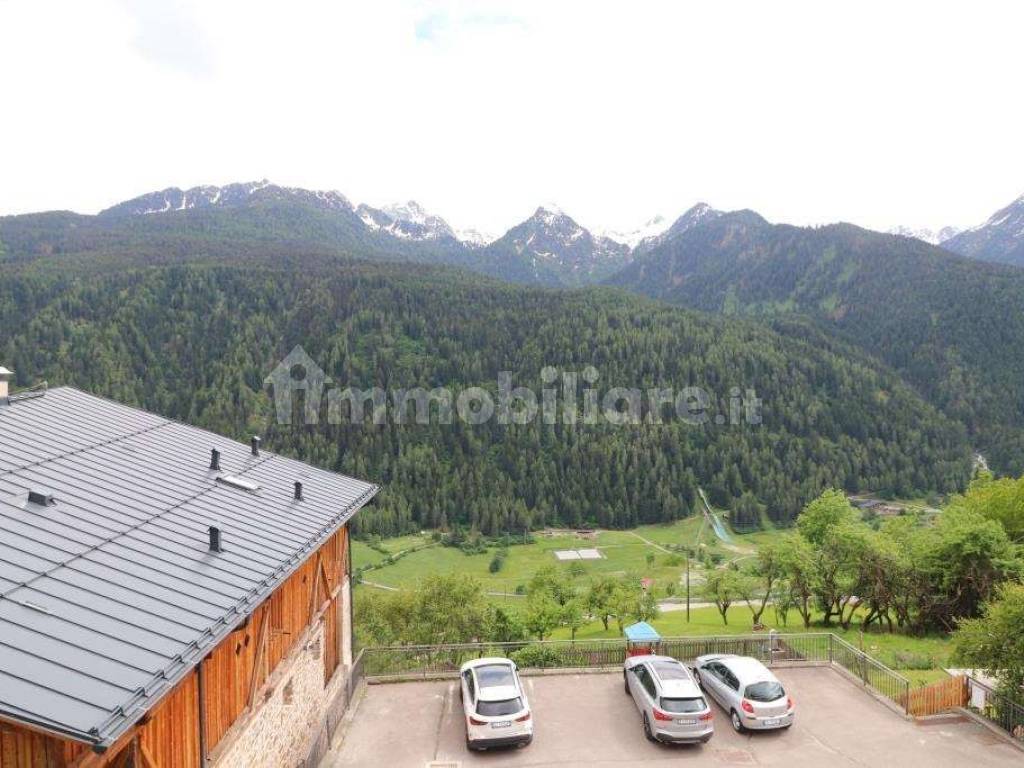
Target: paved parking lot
x=587, y=720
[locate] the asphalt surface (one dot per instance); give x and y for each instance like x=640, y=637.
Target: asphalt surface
x=587, y=720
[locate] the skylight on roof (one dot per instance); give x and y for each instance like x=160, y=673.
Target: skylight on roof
x=239, y=482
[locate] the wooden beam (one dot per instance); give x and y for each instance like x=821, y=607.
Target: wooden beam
x=92, y=759
x=147, y=759
x=315, y=591
x=261, y=646
x=326, y=576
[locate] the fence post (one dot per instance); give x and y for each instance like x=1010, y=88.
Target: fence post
x=831, y=653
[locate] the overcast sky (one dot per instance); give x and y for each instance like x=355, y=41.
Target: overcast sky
x=808, y=112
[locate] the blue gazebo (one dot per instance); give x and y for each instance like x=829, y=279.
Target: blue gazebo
x=641, y=639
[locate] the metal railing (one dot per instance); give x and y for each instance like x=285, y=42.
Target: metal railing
x=403, y=662
x=998, y=708
x=871, y=672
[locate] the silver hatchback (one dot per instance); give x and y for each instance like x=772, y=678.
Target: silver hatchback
x=672, y=706
x=747, y=690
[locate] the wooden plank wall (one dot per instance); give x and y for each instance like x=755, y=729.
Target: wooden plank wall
x=20, y=748
x=232, y=674
x=171, y=735
x=241, y=664
x=939, y=697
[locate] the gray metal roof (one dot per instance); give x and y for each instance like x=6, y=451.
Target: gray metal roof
x=110, y=595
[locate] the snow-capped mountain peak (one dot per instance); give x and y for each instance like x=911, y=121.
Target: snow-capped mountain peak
x=411, y=221
x=1000, y=238
x=229, y=196
x=408, y=221
x=552, y=242
x=474, y=237
x=697, y=214
x=933, y=236
x=633, y=237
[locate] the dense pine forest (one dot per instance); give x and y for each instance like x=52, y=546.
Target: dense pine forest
x=196, y=342
x=951, y=327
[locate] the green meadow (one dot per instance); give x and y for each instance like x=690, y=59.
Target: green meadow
x=645, y=551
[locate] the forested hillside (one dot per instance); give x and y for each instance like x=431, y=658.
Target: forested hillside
x=953, y=327
x=196, y=342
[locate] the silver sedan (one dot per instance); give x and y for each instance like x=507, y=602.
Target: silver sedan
x=746, y=689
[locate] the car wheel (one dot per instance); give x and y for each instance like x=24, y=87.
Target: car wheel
x=737, y=724
x=647, y=729
x=625, y=683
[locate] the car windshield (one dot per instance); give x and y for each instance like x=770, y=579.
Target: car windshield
x=493, y=675
x=683, y=705
x=499, y=708
x=765, y=691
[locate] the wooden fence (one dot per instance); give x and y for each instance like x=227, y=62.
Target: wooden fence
x=938, y=697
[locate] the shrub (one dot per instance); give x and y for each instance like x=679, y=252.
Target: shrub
x=537, y=657
x=909, y=660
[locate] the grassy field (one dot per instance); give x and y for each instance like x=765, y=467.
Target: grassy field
x=627, y=552
x=623, y=552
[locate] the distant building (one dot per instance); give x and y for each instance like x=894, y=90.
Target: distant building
x=888, y=510
x=168, y=597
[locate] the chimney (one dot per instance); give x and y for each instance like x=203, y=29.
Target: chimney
x=214, y=459
x=298, y=491
x=255, y=446
x=5, y=377
x=215, y=545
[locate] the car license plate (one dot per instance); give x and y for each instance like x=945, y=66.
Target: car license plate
x=689, y=721
x=502, y=724
x=773, y=721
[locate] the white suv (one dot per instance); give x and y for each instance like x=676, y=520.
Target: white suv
x=494, y=704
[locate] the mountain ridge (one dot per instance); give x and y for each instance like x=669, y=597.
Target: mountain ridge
x=944, y=321
x=1000, y=238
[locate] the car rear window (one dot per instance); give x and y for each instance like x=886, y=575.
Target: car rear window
x=765, y=691
x=671, y=670
x=499, y=708
x=492, y=675
x=677, y=706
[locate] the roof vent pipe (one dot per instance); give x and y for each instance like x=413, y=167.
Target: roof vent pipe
x=214, y=459
x=298, y=491
x=215, y=543
x=255, y=446
x=5, y=378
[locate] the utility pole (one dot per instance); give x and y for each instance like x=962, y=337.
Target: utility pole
x=687, y=587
